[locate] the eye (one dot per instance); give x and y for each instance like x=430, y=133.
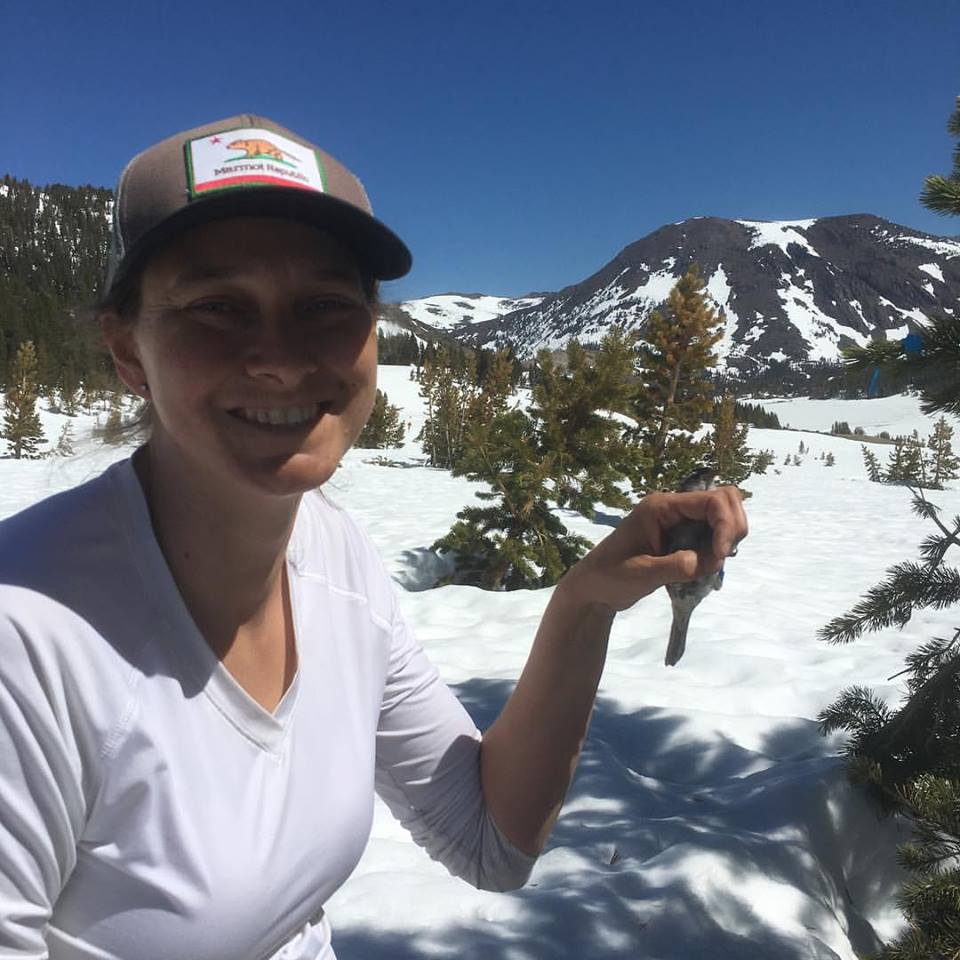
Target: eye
x=330, y=309
x=217, y=313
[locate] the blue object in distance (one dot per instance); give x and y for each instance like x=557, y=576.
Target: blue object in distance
x=912, y=344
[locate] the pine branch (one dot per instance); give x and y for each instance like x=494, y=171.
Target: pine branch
x=883, y=742
x=857, y=708
x=941, y=194
x=921, y=660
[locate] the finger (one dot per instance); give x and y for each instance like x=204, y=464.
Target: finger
x=721, y=509
x=728, y=520
x=677, y=567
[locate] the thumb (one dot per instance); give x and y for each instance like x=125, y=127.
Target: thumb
x=676, y=567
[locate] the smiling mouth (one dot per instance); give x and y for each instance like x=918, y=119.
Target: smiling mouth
x=281, y=418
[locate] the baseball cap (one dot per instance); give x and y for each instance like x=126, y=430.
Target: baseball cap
x=243, y=166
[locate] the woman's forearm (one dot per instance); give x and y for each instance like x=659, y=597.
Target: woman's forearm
x=529, y=755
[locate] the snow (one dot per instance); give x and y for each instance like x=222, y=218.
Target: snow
x=898, y=415
x=452, y=309
x=946, y=248
x=821, y=332
x=780, y=233
x=933, y=269
x=4, y=189
x=718, y=289
x=708, y=817
x=658, y=285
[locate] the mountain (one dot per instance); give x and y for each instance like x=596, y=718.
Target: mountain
x=790, y=290
x=449, y=311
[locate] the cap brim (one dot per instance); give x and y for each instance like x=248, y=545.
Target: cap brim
x=381, y=253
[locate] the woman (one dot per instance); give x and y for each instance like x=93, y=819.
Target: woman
x=204, y=674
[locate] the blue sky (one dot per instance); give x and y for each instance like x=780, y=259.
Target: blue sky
x=515, y=146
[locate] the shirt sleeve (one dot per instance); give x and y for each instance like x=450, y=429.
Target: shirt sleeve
x=42, y=806
x=428, y=771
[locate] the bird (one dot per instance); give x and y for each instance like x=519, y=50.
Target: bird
x=684, y=597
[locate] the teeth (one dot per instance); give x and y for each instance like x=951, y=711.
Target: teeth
x=279, y=417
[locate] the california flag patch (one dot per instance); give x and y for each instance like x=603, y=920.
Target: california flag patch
x=249, y=157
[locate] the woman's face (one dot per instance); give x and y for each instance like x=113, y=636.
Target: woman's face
x=258, y=347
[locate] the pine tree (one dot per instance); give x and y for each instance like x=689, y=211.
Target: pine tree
x=64, y=447
x=112, y=431
x=586, y=445
x=729, y=454
x=675, y=394
x=762, y=461
x=448, y=385
x=496, y=385
x=943, y=464
x=874, y=470
x=516, y=541
x=21, y=423
x=68, y=402
x=383, y=428
x=906, y=465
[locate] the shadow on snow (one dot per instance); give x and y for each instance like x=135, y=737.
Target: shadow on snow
x=672, y=847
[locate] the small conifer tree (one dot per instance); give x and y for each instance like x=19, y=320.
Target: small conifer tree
x=516, y=541
x=944, y=465
x=729, y=454
x=383, y=428
x=21, y=423
x=872, y=462
x=64, y=447
x=675, y=394
x=907, y=465
x=762, y=461
x=587, y=448
x=68, y=402
x=448, y=385
x=112, y=431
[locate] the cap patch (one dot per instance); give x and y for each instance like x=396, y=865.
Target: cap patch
x=250, y=157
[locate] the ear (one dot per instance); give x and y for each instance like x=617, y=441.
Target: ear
x=118, y=335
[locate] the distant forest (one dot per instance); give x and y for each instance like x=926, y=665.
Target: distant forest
x=53, y=246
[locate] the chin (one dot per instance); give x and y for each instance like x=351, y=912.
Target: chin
x=294, y=475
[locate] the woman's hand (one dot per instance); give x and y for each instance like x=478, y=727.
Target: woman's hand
x=629, y=564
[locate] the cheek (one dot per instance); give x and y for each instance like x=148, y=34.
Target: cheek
x=183, y=365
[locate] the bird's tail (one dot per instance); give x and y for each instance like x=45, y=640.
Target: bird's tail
x=678, y=636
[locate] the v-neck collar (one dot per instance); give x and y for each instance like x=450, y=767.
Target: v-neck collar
x=265, y=729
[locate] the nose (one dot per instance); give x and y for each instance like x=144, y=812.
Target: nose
x=279, y=354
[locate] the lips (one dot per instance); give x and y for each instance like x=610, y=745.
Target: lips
x=281, y=417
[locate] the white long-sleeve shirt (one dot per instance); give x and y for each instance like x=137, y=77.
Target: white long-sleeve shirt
x=149, y=808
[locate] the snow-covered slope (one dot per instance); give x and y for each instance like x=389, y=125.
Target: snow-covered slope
x=708, y=817
x=450, y=310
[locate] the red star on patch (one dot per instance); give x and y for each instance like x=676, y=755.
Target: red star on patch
x=215, y=140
